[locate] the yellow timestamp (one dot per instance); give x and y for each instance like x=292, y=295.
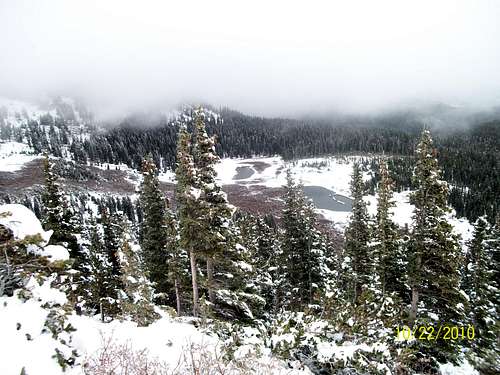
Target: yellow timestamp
x=433, y=333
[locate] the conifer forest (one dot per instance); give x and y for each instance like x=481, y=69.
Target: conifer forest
x=269, y=188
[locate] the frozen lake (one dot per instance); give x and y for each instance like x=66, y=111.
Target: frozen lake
x=327, y=199
x=243, y=173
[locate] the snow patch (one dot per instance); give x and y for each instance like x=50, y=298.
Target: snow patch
x=55, y=252
x=22, y=222
x=14, y=155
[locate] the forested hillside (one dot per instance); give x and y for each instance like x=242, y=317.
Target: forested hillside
x=469, y=157
x=266, y=289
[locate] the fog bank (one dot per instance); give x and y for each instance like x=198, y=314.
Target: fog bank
x=260, y=57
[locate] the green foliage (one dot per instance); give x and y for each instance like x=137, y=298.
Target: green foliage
x=358, y=262
x=59, y=217
x=387, y=247
x=136, y=299
x=435, y=255
x=480, y=284
x=154, y=239
x=263, y=253
x=303, y=259
x=190, y=212
x=17, y=264
x=99, y=286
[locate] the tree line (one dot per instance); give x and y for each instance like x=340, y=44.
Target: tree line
x=468, y=157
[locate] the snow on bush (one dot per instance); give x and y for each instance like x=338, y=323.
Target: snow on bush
x=22, y=222
x=53, y=252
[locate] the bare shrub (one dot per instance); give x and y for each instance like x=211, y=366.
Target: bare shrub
x=196, y=359
x=122, y=359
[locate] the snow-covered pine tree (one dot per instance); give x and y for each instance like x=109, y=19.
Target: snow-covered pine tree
x=218, y=210
x=435, y=256
x=178, y=261
x=57, y=214
x=303, y=249
x=372, y=268
x=493, y=253
x=136, y=299
x=480, y=285
x=190, y=213
x=493, y=250
x=364, y=310
x=237, y=293
x=387, y=245
x=268, y=254
x=101, y=294
x=261, y=242
x=112, y=232
x=231, y=292
x=358, y=262
x=53, y=201
x=154, y=238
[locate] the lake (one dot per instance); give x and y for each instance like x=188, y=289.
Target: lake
x=243, y=173
x=327, y=199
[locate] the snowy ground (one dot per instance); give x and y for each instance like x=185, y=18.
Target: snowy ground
x=26, y=345
x=170, y=343
x=333, y=173
x=271, y=172
x=167, y=343
x=14, y=155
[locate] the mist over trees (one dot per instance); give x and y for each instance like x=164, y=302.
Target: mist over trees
x=468, y=157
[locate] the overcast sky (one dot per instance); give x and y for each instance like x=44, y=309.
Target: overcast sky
x=267, y=57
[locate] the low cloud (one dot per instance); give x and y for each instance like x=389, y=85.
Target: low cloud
x=261, y=57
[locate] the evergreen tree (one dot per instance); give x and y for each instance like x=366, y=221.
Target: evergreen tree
x=54, y=203
x=358, y=263
x=303, y=249
x=36, y=207
x=112, y=232
x=178, y=270
x=237, y=292
x=387, y=246
x=480, y=285
x=153, y=232
x=217, y=228
x=102, y=294
x=191, y=214
x=261, y=242
x=493, y=254
x=435, y=256
x=493, y=250
x=136, y=299
x=368, y=308
x=207, y=230
x=58, y=216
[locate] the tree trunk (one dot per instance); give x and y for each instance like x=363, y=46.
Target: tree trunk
x=102, y=312
x=415, y=290
x=210, y=279
x=192, y=258
x=178, y=296
x=414, y=305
